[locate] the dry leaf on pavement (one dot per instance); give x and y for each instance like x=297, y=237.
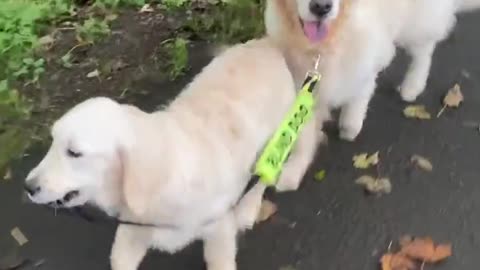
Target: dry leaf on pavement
x=375, y=185
x=422, y=163
x=363, y=161
x=267, y=210
x=320, y=175
x=417, y=111
x=413, y=250
x=424, y=249
x=452, y=99
x=19, y=236
x=397, y=261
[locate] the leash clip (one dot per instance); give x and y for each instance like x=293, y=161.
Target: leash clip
x=317, y=63
x=315, y=73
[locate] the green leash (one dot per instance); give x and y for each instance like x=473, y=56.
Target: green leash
x=274, y=155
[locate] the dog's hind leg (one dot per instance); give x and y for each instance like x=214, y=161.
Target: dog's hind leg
x=302, y=155
x=415, y=80
x=220, y=244
x=129, y=248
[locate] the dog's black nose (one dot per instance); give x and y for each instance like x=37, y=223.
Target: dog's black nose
x=320, y=8
x=32, y=187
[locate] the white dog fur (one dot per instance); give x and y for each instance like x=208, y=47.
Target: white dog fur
x=362, y=42
x=184, y=165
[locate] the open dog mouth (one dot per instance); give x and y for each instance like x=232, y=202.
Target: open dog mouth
x=65, y=200
x=315, y=31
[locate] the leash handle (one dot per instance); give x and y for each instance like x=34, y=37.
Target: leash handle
x=274, y=155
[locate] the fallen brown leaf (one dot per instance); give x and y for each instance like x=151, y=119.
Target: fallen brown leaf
x=452, y=99
x=267, y=210
x=442, y=252
x=405, y=240
x=19, y=236
x=412, y=250
x=422, y=163
x=375, y=185
x=417, y=111
x=424, y=249
x=397, y=261
x=364, y=161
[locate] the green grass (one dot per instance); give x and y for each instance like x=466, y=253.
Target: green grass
x=21, y=25
x=92, y=29
x=229, y=21
x=176, y=57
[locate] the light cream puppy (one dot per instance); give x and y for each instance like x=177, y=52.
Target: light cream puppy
x=357, y=39
x=185, y=166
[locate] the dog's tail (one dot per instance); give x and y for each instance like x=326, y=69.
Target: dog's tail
x=468, y=5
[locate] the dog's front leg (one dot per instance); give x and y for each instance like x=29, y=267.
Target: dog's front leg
x=302, y=155
x=415, y=80
x=220, y=244
x=353, y=113
x=129, y=248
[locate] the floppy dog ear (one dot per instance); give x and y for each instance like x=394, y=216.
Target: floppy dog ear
x=136, y=192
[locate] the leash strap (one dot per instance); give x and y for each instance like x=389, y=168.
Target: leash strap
x=278, y=148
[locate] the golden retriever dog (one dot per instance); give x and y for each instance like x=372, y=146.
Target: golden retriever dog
x=182, y=169
x=356, y=40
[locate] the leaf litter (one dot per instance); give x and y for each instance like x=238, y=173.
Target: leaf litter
x=93, y=74
x=415, y=250
x=18, y=235
x=452, y=99
x=417, y=111
x=364, y=161
x=320, y=175
x=422, y=162
x=375, y=185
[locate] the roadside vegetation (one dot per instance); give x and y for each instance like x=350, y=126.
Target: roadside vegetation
x=30, y=28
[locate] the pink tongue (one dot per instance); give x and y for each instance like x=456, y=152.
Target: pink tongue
x=315, y=31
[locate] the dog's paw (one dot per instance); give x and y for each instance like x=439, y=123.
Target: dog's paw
x=350, y=131
x=409, y=95
x=348, y=134
x=410, y=91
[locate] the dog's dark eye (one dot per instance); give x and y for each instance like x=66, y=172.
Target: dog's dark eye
x=73, y=154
